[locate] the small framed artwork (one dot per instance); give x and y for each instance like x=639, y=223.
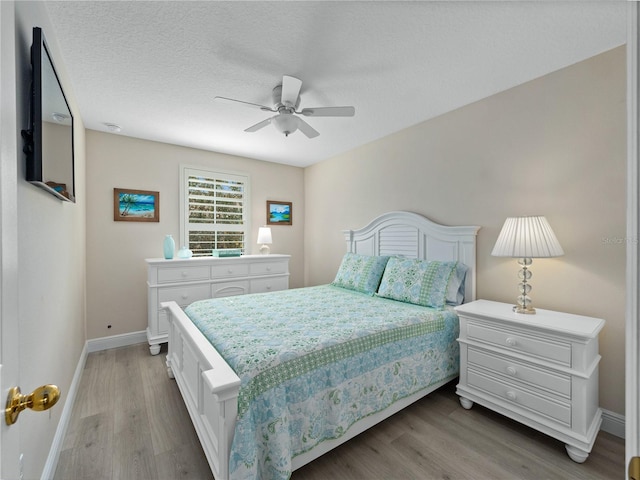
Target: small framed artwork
x=279, y=213
x=135, y=205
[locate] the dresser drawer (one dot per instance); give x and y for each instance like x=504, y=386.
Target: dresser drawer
x=268, y=268
x=184, y=296
x=182, y=274
x=551, y=381
x=229, y=270
x=513, y=395
x=521, y=342
x=229, y=289
x=263, y=285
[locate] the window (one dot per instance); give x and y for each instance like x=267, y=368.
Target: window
x=214, y=210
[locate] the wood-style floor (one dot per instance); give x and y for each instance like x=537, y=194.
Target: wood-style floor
x=129, y=423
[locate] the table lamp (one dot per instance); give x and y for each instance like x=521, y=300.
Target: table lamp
x=526, y=238
x=264, y=238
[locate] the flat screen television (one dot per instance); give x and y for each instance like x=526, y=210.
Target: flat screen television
x=48, y=140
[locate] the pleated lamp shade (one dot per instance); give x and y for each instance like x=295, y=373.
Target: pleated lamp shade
x=527, y=237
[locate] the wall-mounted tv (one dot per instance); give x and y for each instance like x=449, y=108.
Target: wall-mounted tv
x=48, y=140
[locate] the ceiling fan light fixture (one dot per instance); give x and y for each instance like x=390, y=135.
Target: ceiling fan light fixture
x=113, y=128
x=286, y=99
x=285, y=123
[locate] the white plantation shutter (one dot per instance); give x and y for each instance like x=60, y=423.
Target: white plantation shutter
x=214, y=210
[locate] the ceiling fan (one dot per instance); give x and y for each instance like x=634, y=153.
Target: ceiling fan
x=286, y=99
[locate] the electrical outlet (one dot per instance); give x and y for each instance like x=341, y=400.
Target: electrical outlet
x=21, y=463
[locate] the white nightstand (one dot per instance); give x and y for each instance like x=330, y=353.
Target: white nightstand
x=541, y=370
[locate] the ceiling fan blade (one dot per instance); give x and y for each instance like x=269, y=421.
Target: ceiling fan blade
x=290, y=90
x=328, y=112
x=259, y=125
x=307, y=129
x=248, y=104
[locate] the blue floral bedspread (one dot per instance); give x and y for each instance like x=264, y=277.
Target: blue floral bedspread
x=313, y=361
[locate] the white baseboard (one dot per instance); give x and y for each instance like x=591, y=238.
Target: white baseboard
x=115, y=341
x=58, y=439
x=613, y=423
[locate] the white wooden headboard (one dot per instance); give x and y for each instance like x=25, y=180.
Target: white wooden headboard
x=414, y=236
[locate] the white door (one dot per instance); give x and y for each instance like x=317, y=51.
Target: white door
x=632, y=397
x=9, y=328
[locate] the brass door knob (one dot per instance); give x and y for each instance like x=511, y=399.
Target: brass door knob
x=42, y=398
x=634, y=468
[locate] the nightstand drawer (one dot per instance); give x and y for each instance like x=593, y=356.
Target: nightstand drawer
x=182, y=274
x=551, y=381
x=516, y=396
x=186, y=295
x=521, y=342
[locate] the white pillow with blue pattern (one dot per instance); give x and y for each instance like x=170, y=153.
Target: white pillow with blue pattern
x=421, y=282
x=361, y=273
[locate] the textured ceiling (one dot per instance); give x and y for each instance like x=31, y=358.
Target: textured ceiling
x=154, y=67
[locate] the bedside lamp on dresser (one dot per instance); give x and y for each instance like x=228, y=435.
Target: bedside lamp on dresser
x=526, y=238
x=264, y=239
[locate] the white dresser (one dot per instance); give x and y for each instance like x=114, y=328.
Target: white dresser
x=541, y=370
x=185, y=281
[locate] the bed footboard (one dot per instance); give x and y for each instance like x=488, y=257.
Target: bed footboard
x=208, y=386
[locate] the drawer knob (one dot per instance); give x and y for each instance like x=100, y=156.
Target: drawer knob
x=268, y=269
x=230, y=271
x=511, y=395
x=511, y=371
x=184, y=274
x=511, y=341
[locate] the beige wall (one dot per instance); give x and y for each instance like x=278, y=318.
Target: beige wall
x=555, y=146
x=50, y=259
x=116, y=271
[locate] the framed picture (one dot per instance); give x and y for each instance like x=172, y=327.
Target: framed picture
x=279, y=213
x=135, y=205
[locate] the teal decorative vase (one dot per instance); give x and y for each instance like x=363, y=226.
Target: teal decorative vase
x=169, y=247
x=184, y=252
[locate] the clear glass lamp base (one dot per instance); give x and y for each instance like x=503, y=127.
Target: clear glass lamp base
x=524, y=300
x=528, y=310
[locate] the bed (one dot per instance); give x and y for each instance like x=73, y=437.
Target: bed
x=383, y=355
